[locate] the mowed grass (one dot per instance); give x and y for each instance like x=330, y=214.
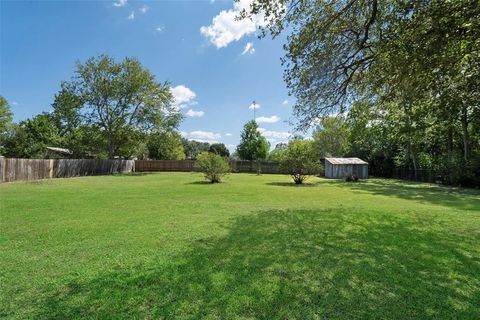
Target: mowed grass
x=167, y=245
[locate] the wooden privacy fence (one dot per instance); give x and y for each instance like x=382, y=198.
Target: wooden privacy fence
x=164, y=165
x=247, y=166
x=35, y=169
x=189, y=165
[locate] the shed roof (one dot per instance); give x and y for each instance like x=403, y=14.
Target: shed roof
x=345, y=161
x=60, y=150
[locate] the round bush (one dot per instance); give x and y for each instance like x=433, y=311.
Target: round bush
x=213, y=166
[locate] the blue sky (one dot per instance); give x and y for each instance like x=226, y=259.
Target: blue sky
x=217, y=66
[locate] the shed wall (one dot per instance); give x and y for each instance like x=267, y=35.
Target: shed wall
x=340, y=171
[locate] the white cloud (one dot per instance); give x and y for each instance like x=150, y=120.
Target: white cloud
x=131, y=16
x=248, y=48
x=274, y=135
x=14, y=103
x=202, y=136
x=159, y=29
x=195, y=114
x=254, y=106
x=183, y=96
x=271, y=119
x=228, y=134
x=226, y=28
x=285, y=102
x=120, y=3
x=143, y=9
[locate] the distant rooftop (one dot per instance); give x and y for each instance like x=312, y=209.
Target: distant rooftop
x=345, y=161
x=60, y=150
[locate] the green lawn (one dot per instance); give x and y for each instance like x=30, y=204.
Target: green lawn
x=169, y=246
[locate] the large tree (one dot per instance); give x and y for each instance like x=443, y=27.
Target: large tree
x=253, y=146
x=193, y=148
x=82, y=138
x=220, y=149
x=416, y=61
x=5, y=115
x=5, y=122
x=120, y=99
x=165, y=146
x=331, y=137
x=337, y=50
x=31, y=137
x=330, y=46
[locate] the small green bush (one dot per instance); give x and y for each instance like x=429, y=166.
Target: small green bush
x=300, y=161
x=213, y=166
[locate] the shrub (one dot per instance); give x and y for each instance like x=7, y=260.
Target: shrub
x=213, y=166
x=300, y=161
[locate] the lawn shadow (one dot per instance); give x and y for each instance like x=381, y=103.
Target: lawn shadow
x=292, y=265
x=292, y=184
x=465, y=199
x=133, y=174
x=200, y=182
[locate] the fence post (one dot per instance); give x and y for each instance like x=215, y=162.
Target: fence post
x=2, y=169
x=50, y=168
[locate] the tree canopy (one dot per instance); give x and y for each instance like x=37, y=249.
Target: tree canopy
x=300, y=160
x=220, y=149
x=193, y=148
x=121, y=100
x=5, y=122
x=331, y=137
x=253, y=146
x=412, y=64
x=31, y=137
x=165, y=146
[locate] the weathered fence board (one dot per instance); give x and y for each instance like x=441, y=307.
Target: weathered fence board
x=35, y=169
x=164, y=165
x=189, y=165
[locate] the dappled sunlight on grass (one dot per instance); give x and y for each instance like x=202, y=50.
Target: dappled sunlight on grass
x=292, y=264
x=466, y=199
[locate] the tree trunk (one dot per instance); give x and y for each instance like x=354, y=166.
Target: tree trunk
x=464, y=120
x=413, y=158
x=111, y=147
x=449, y=152
x=415, y=165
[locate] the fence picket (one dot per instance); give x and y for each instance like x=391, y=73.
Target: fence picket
x=35, y=169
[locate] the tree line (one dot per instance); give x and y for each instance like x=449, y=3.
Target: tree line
x=108, y=109
x=393, y=82
x=404, y=75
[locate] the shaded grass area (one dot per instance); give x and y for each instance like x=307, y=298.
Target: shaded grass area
x=249, y=248
x=458, y=198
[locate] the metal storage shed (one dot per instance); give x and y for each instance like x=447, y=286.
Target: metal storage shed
x=339, y=168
